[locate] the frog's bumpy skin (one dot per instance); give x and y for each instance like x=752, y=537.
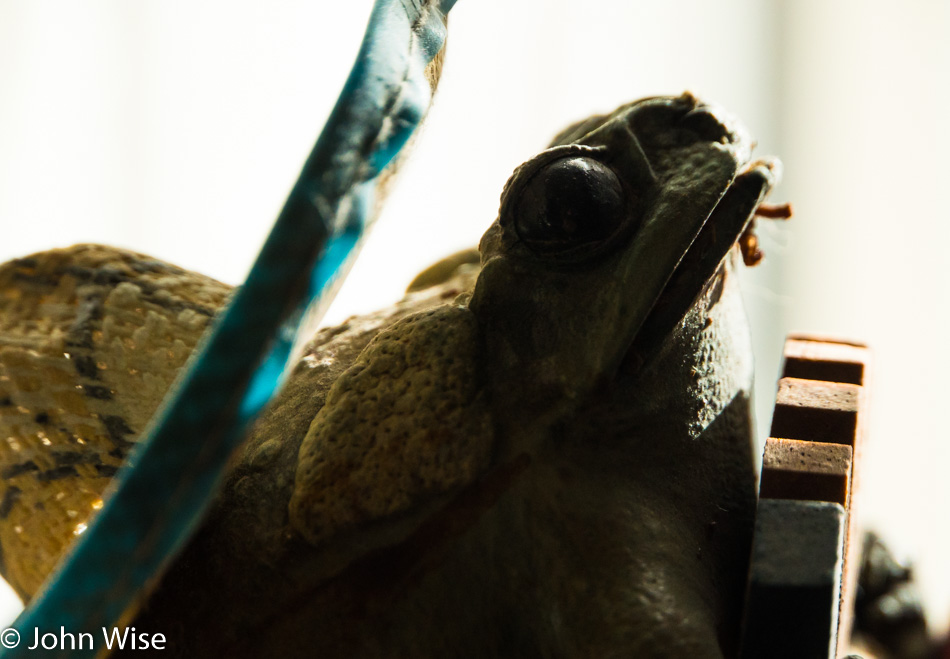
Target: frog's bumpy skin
x=405, y=421
x=91, y=338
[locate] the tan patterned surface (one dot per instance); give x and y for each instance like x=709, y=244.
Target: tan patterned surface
x=91, y=338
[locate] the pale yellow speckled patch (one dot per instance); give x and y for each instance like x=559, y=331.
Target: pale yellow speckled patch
x=91, y=338
x=404, y=422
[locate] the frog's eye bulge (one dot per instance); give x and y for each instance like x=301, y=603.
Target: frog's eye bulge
x=569, y=203
x=575, y=202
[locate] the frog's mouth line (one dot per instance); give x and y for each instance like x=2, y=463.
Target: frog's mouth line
x=729, y=221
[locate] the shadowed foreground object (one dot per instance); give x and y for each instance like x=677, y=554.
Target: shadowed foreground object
x=542, y=451
x=888, y=615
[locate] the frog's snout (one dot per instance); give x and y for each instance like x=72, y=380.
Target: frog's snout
x=704, y=120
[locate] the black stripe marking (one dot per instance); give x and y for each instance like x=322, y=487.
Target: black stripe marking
x=86, y=366
x=17, y=469
x=65, y=458
x=10, y=498
x=111, y=277
x=107, y=276
x=117, y=429
x=57, y=473
x=106, y=470
x=36, y=280
x=87, y=320
x=97, y=392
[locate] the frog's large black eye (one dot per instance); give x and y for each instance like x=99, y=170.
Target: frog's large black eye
x=570, y=204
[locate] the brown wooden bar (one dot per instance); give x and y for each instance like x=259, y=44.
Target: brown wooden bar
x=816, y=411
x=825, y=360
x=814, y=471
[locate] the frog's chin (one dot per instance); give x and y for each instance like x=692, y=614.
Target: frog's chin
x=698, y=268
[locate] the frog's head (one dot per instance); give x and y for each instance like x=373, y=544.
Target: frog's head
x=604, y=242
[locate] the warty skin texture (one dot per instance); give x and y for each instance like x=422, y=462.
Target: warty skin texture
x=547, y=457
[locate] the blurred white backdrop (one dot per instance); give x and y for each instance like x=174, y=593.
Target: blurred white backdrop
x=176, y=128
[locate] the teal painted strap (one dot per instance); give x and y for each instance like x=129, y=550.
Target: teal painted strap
x=162, y=494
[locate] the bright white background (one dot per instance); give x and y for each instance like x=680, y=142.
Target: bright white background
x=176, y=128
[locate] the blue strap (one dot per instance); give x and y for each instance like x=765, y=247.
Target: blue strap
x=160, y=497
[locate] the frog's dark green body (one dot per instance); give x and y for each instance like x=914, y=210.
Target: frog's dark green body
x=547, y=457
